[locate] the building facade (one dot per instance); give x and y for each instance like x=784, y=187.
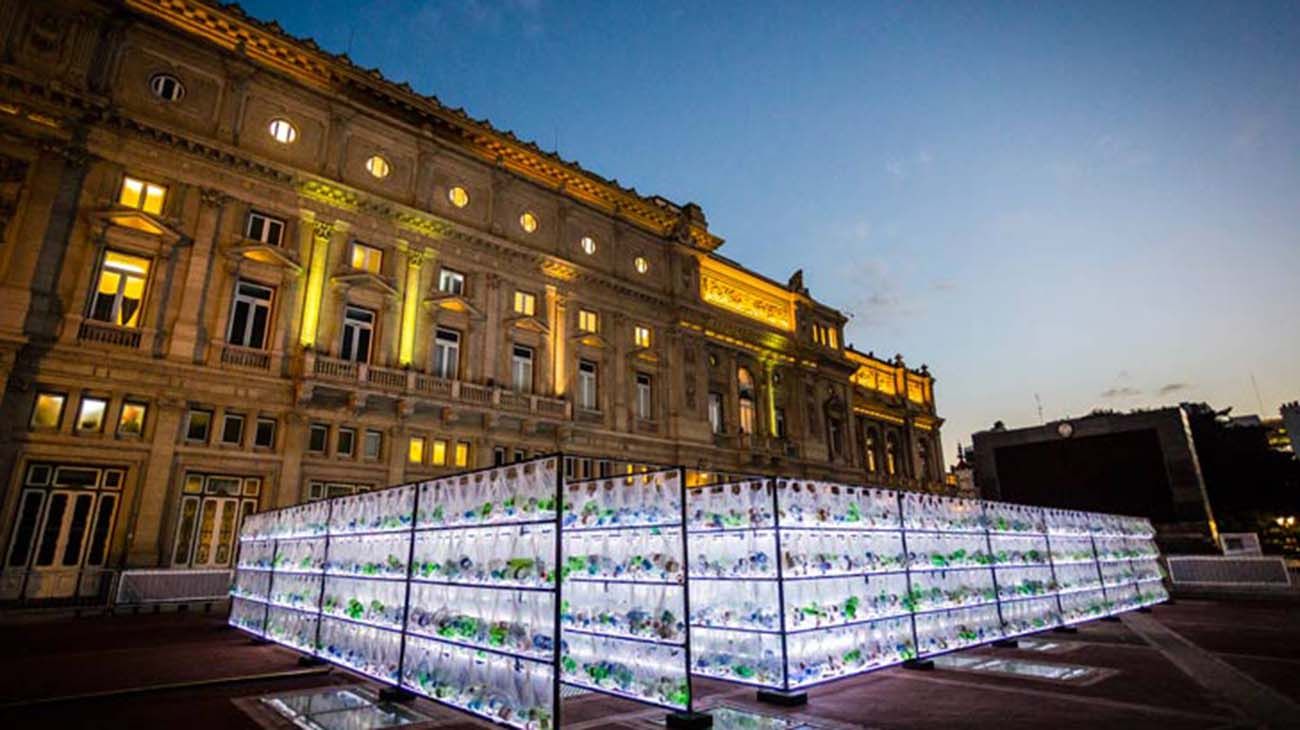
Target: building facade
x=238, y=272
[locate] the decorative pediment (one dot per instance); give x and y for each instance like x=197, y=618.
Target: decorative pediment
x=364, y=280
x=137, y=220
x=265, y=253
x=591, y=339
x=643, y=354
x=529, y=323
x=452, y=303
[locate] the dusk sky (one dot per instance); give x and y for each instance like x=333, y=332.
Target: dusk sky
x=1097, y=203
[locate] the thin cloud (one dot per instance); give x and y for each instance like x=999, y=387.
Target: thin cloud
x=1121, y=392
x=1172, y=388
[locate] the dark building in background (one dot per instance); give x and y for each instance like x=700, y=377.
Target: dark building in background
x=1193, y=470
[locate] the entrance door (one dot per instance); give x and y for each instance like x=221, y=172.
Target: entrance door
x=217, y=521
x=211, y=510
x=64, y=522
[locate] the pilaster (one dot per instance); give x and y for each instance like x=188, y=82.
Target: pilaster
x=185, y=340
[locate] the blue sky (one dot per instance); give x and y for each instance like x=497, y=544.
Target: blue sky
x=1094, y=203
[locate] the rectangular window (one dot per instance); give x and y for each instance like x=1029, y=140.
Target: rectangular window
x=142, y=195
x=715, y=412
x=232, y=429
x=439, y=452
x=779, y=417
x=367, y=258
x=587, y=384
x=446, y=353
x=346, y=442
x=520, y=455
x=521, y=369
x=318, y=438
x=451, y=282
x=358, y=331
x=525, y=303
x=198, y=425
x=588, y=321
x=374, y=445
x=130, y=422
x=119, y=289
x=462, y=453
x=90, y=415
x=48, y=412
x=641, y=336
x=498, y=455
x=415, y=450
x=264, y=434
x=250, y=314
x=746, y=415
x=264, y=229
x=832, y=337
x=644, y=400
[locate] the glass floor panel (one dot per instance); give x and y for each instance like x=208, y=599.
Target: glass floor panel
x=737, y=718
x=340, y=709
x=1072, y=673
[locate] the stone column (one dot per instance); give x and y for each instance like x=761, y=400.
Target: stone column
x=288, y=490
x=619, y=338
x=144, y=546
x=186, y=342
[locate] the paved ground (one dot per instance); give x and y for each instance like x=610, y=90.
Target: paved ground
x=1195, y=664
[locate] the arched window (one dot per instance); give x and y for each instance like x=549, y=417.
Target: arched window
x=872, y=444
x=923, y=456
x=745, y=385
x=891, y=454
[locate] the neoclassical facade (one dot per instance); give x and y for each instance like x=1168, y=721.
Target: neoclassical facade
x=238, y=272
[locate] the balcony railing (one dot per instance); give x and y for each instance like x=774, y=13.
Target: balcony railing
x=102, y=333
x=410, y=381
x=245, y=357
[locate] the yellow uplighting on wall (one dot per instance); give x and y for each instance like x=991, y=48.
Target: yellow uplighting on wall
x=320, y=247
x=410, y=312
x=738, y=291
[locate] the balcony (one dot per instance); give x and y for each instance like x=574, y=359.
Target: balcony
x=102, y=333
x=412, y=383
x=245, y=357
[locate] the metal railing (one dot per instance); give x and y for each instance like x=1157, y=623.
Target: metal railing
x=1228, y=570
x=146, y=587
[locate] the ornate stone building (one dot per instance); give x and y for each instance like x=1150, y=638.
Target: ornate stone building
x=239, y=272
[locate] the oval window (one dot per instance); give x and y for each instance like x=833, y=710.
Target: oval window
x=458, y=197
x=166, y=87
x=282, y=131
x=641, y=265
x=588, y=245
x=528, y=222
x=377, y=166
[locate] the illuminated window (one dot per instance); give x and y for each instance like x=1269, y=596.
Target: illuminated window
x=439, y=452
x=891, y=454
x=462, y=453
x=166, y=87
x=715, y=412
x=415, y=450
x=282, y=131
x=587, y=385
x=871, y=448
x=264, y=433
x=130, y=422
x=525, y=303
x=528, y=222
x=142, y=195
x=458, y=197
x=745, y=387
x=48, y=412
x=588, y=245
x=832, y=337
x=90, y=414
x=641, y=265
x=451, y=282
x=641, y=336
x=588, y=321
x=644, y=401
x=318, y=436
x=264, y=229
x=367, y=258
x=119, y=292
x=378, y=167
